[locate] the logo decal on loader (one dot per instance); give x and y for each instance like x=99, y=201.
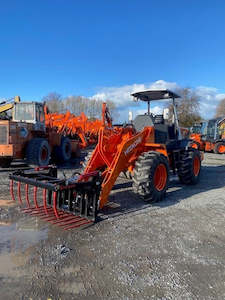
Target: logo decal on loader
x=132, y=146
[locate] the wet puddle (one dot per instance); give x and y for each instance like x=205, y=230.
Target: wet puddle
x=16, y=241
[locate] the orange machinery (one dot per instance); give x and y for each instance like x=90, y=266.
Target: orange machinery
x=209, y=136
x=76, y=126
x=25, y=136
x=148, y=150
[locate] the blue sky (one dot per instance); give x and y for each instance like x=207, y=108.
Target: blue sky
x=108, y=47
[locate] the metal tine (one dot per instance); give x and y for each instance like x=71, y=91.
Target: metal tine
x=70, y=201
x=84, y=222
x=78, y=220
x=27, y=195
x=45, y=201
x=52, y=218
x=81, y=204
x=66, y=219
x=86, y=198
x=11, y=190
x=35, y=197
x=55, y=205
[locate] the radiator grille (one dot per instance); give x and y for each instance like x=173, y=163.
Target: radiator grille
x=3, y=134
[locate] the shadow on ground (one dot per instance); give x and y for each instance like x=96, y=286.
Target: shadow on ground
x=123, y=201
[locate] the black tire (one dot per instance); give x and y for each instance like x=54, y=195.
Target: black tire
x=145, y=172
x=190, y=166
x=5, y=162
x=126, y=174
x=217, y=148
x=38, y=152
x=63, y=152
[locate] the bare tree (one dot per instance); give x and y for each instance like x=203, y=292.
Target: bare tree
x=220, y=109
x=187, y=108
x=77, y=104
x=54, y=102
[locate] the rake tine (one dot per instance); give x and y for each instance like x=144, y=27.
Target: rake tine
x=11, y=190
x=76, y=225
x=44, y=201
x=35, y=197
x=27, y=195
x=55, y=204
x=19, y=192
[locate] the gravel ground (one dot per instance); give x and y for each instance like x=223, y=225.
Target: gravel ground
x=170, y=250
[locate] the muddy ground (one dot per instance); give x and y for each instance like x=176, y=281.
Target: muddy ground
x=170, y=250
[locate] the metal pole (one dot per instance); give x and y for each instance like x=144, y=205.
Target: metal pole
x=148, y=107
x=176, y=121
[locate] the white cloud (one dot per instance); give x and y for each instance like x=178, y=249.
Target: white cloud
x=121, y=95
x=156, y=110
x=209, y=97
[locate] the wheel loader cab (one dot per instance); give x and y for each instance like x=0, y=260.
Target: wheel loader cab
x=30, y=112
x=165, y=133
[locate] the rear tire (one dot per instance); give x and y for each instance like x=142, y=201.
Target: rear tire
x=38, y=152
x=190, y=166
x=219, y=148
x=63, y=152
x=151, y=176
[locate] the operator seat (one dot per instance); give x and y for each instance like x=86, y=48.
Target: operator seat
x=142, y=121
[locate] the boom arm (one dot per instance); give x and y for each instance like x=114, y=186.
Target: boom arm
x=8, y=104
x=116, y=149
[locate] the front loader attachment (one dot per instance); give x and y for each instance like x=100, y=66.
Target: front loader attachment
x=69, y=203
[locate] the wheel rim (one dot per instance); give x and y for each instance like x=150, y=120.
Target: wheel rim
x=196, y=166
x=221, y=149
x=160, y=177
x=44, y=154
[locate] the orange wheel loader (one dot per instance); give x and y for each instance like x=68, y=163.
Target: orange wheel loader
x=209, y=136
x=149, y=149
x=25, y=136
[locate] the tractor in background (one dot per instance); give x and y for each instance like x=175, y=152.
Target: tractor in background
x=209, y=136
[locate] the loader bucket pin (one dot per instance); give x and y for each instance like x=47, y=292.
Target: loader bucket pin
x=66, y=203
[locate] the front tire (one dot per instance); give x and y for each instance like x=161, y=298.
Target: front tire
x=38, y=152
x=151, y=176
x=190, y=166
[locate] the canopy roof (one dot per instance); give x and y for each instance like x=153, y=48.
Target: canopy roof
x=151, y=95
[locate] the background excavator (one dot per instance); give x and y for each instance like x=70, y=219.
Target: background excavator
x=209, y=135
x=149, y=150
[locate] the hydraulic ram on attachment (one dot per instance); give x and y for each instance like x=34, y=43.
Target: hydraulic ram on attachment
x=70, y=202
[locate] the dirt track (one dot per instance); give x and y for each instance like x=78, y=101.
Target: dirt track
x=171, y=250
